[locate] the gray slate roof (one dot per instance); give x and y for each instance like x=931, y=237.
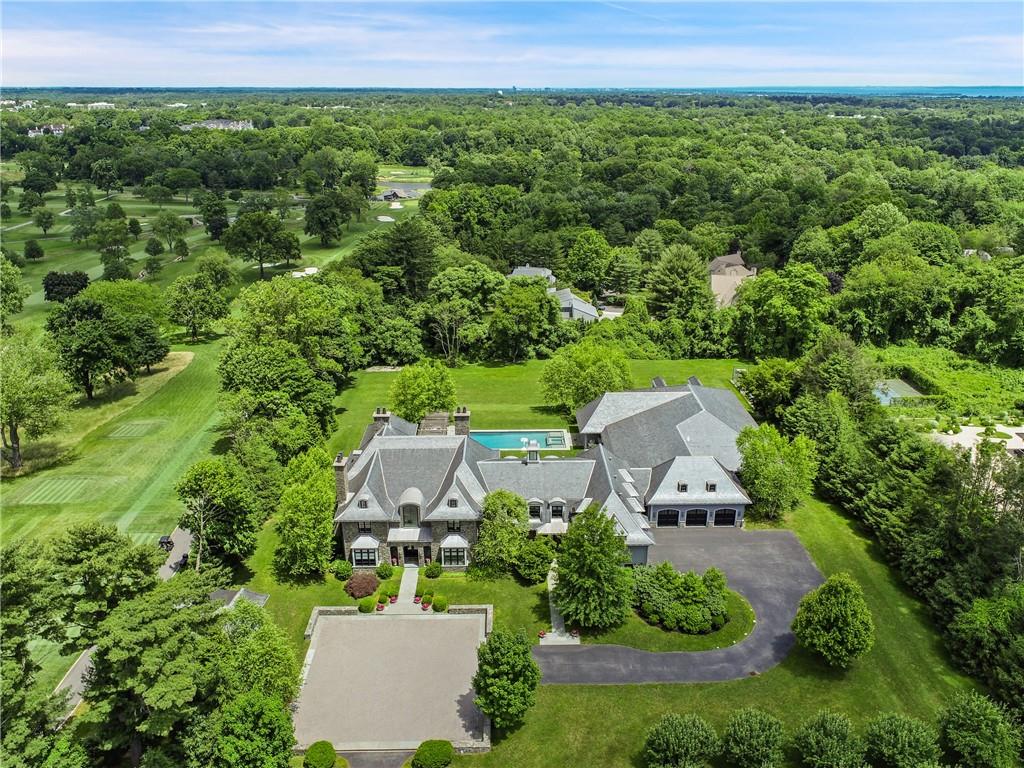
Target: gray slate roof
x=695, y=472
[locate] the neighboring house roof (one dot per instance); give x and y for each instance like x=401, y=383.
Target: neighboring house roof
x=573, y=307
x=231, y=596
x=727, y=273
x=527, y=271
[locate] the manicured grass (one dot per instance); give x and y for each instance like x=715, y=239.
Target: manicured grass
x=505, y=397
x=516, y=606
x=907, y=671
x=296, y=762
x=637, y=633
x=291, y=602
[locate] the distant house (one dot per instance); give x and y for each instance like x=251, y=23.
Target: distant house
x=176, y=105
x=394, y=194
x=231, y=596
x=570, y=306
x=659, y=457
x=100, y=105
x=974, y=253
x=527, y=271
x=727, y=272
x=218, y=124
x=55, y=129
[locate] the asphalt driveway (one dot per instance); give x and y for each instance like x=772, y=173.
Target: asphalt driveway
x=769, y=568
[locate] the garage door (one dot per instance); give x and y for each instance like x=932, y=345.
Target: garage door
x=668, y=517
x=696, y=517
x=725, y=517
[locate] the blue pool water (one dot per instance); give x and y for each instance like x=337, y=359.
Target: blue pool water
x=512, y=440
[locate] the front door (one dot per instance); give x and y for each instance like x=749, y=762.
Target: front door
x=410, y=555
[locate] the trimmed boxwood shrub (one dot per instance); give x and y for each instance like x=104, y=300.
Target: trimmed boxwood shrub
x=361, y=584
x=342, y=570
x=385, y=571
x=419, y=591
x=683, y=602
x=428, y=595
x=834, y=621
x=680, y=740
x=440, y=603
x=319, y=755
x=367, y=604
x=382, y=598
x=897, y=741
x=435, y=753
x=433, y=570
x=534, y=560
x=827, y=740
x=753, y=739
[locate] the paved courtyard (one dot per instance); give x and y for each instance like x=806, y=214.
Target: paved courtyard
x=381, y=682
x=769, y=568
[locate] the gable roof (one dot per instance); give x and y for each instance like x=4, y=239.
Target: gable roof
x=572, y=304
x=695, y=473
x=646, y=428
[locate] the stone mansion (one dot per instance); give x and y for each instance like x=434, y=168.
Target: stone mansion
x=653, y=458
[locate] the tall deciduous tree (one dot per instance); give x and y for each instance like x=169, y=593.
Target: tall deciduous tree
x=777, y=472
x=193, y=302
x=169, y=226
x=587, y=261
x=593, y=584
x=93, y=343
x=578, y=373
x=524, y=318
x=221, y=511
x=506, y=678
x=12, y=290
x=61, y=286
x=35, y=395
x=306, y=516
x=503, y=530
x=43, y=218
x=214, y=212
x=260, y=237
x=422, y=388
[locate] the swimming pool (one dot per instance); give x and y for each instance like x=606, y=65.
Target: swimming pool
x=512, y=439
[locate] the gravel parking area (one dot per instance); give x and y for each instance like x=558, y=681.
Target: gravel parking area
x=389, y=682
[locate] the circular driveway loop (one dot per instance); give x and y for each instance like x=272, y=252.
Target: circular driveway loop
x=769, y=568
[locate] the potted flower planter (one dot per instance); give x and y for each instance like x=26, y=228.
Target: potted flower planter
x=425, y=606
x=542, y=633
x=417, y=599
x=380, y=606
x=393, y=599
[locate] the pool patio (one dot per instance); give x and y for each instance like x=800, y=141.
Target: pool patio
x=519, y=439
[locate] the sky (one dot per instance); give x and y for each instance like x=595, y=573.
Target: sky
x=498, y=45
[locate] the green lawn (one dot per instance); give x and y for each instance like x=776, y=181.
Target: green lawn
x=291, y=602
x=907, y=671
x=637, y=633
x=503, y=397
x=516, y=606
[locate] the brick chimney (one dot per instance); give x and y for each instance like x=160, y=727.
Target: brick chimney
x=341, y=478
x=462, y=420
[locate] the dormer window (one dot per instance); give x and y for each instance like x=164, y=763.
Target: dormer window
x=363, y=504
x=452, y=503
x=682, y=487
x=712, y=487
x=534, y=510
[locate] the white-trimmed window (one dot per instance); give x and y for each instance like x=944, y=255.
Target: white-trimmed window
x=712, y=487
x=557, y=510
x=364, y=526
x=455, y=556
x=364, y=557
x=454, y=526
x=453, y=502
x=534, y=509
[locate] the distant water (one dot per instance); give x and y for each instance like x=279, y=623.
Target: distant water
x=969, y=91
